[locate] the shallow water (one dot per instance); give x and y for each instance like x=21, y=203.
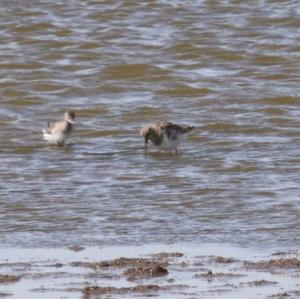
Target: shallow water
x=229, y=68
x=63, y=273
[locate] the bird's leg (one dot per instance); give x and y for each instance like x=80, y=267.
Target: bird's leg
x=146, y=143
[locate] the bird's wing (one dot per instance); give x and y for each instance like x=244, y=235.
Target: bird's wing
x=171, y=128
x=53, y=128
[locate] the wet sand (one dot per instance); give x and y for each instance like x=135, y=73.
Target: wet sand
x=162, y=271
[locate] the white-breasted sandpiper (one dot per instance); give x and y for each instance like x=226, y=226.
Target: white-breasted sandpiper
x=58, y=132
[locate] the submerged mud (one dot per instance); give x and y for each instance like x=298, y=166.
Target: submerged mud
x=282, y=263
x=118, y=263
x=8, y=278
x=95, y=290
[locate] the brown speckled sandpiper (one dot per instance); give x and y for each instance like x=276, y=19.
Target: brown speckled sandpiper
x=166, y=134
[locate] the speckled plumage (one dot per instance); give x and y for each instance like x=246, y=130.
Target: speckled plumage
x=58, y=132
x=165, y=134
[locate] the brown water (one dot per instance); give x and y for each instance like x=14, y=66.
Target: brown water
x=230, y=68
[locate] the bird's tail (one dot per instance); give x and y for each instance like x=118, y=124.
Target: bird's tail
x=188, y=129
x=47, y=136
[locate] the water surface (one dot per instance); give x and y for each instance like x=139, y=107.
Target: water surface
x=229, y=68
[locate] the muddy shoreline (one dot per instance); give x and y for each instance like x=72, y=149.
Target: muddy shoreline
x=161, y=271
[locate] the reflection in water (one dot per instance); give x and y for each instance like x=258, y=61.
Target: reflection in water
x=227, y=68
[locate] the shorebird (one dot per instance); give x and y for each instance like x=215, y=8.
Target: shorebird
x=165, y=134
x=58, y=132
